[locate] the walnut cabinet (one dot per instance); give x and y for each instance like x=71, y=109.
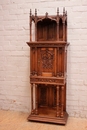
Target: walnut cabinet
x=48, y=68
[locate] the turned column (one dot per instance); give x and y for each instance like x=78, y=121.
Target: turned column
x=36, y=61
x=57, y=104
x=62, y=101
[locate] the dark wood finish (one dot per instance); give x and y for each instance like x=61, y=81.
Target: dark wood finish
x=48, y=61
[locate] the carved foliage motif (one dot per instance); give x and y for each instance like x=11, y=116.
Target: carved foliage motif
x=47, y=80
x=47, y=59
x=41, y=44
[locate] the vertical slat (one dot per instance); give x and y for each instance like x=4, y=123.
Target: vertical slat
x=32, y=99
x=63, y=30
x=35, y=31
x=55, y=68
x=36, y=61
x=57, y=62
x=62, y=101
x=58, y=31
x=36, y=100
x=57, y=104
x=39, y=70
x=31, y=61
x=49, y=97
x=65, y=62
x=62, y=62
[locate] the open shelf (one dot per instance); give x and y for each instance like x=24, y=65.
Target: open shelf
x=48, y=115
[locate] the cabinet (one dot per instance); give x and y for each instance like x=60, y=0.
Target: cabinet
x=48, y=68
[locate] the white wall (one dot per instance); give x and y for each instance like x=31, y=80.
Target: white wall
x=14, y=53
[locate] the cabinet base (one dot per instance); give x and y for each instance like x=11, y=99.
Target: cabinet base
x=49, y=119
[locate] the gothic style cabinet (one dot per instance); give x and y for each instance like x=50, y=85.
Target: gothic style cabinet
x=48, y=59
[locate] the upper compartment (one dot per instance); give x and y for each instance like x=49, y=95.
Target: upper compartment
x=48, y=27
x=46, y=30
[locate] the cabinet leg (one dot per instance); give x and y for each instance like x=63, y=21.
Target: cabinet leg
x=57, y=113
x=62, y=101
x=36, y=100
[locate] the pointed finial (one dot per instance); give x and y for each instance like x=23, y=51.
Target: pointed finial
x=30, y=12
x=64, y=11
x=46, y=15
x=35, y=12
x=57, y=11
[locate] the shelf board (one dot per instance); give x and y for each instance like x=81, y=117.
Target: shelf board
x=48, y=115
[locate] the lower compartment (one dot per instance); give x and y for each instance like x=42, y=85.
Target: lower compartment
x=48, y=115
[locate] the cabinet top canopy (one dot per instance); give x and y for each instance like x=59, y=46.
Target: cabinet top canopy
x=49, y=27
x=57, y=17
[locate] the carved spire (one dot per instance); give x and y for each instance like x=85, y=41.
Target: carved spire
x=64, y=11
x=30, y=12
x=46, y=15
x=35, y=12
x=57, y=11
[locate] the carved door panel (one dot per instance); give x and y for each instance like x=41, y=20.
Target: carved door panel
x=46, y=61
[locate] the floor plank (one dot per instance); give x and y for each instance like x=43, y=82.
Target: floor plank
x=11, y=120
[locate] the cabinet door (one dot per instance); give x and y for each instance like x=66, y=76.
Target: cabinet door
x=46, y=61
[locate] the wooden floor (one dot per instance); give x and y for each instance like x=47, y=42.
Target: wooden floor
x=10, y=120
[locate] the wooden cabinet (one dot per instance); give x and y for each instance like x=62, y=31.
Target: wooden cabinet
x=48, y=61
